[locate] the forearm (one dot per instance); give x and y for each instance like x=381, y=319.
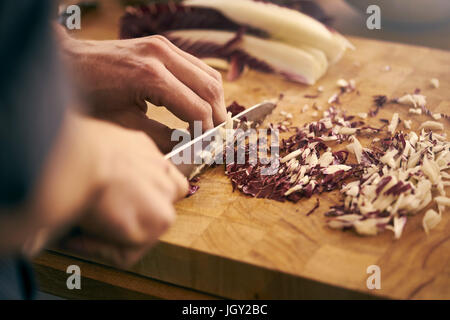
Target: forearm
x=100, y=73
x=73, y=55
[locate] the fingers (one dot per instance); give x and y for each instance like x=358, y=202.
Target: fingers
x=136, y=205
x=181, y=100
x=182, y=185
x=133, y=205
x=125, y=237
x=183, y=83
x=133, y=216
x=163, y=174
x=172, y=185
x=199, y=81
x=194, y=60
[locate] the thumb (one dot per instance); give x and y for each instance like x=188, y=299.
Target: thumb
x=159, y=132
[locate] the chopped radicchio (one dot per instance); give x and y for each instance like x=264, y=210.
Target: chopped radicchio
x=394, y=178
x=304, y=168
x=400, y=183
x=379, y=101
x=192, y=189
x=235, y=108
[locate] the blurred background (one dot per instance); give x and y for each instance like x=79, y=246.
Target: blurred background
x=418, y=22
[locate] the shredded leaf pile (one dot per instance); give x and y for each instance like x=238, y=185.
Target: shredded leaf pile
x=400, y=174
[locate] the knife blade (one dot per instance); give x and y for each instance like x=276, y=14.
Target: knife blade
x=255, y=114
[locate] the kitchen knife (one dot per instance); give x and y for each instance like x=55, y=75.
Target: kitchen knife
x=255, y=114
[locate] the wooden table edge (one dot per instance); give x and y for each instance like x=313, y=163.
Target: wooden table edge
x=104, y=282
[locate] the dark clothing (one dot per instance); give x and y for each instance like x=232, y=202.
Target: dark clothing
x=31, y=97
x=31, y=110
x=16, y=279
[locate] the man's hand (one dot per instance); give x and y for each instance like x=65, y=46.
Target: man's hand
x=134, y=205
x=112, y=182
x=118, y=76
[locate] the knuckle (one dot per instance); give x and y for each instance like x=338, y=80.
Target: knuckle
x=157, y=45
x=214, y=90
x=151, y=69
x=217, y=75
x=205, y=112
x=160, y=38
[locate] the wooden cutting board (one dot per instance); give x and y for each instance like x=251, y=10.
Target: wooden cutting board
x=234, y=246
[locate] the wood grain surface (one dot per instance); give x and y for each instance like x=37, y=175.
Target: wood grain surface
x=234, y=246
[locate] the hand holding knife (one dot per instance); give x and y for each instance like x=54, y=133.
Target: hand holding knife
x=255, y=114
